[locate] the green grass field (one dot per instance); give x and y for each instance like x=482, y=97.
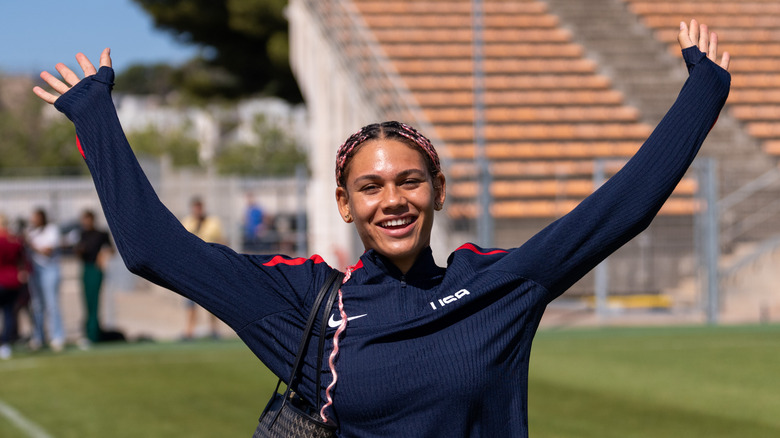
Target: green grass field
x=667, y=382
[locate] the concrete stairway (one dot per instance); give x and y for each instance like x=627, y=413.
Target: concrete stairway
x=650, y=78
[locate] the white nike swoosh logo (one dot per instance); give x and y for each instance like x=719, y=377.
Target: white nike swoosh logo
x=332, y=323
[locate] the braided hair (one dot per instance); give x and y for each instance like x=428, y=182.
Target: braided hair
x=386, y=130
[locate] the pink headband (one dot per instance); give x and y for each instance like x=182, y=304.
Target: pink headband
x=385, y=130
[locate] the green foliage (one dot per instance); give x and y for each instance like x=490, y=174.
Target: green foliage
x=196, y=82
x=33, y=144
x=142, y=79
x=243, y=39
x=275, y=154
x=182, y=149
x=204, y=82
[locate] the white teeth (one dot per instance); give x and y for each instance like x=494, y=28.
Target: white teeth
x=397, y=222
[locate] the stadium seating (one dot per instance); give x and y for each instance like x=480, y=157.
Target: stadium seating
x=549, y=113
x=751, y=33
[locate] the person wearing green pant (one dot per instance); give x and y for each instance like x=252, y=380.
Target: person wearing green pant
x=92, y=247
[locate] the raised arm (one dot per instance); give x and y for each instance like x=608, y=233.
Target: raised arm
x=625, y=205
x=239, y=289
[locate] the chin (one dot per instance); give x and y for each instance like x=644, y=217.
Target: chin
x=405, y=253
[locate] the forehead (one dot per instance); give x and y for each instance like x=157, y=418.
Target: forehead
x=385, y=155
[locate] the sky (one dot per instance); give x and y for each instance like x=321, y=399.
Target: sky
x=37, y=34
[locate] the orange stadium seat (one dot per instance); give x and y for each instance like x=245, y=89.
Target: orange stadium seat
x=759, y=80
x=450, y=20
x=754, y=96
x=772, y=147
x=466, y=66
x=442, y=7
x=711, y=7
x=464, y=50
x=595, y=113
x=751, y=32
x=548, y=113
x=548, y=150
x=764, y=129
x=756, y=112
x=426, y=82
x=465, y=35
x=534, y=168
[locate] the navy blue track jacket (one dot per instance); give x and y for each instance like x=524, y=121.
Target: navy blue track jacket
x=437, y=352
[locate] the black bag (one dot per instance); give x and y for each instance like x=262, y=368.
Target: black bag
x=287, y=415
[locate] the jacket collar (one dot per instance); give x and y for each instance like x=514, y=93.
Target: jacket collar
x=424, y=270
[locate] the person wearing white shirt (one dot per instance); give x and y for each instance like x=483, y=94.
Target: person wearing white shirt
x=44, y=239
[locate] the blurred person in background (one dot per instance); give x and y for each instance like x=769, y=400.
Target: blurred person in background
x=44, y=240
x=13, y=276
x=93, y=249
x=23, y=300
x=254, y=225
x=209, y=229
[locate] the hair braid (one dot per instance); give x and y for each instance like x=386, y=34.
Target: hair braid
x=391, y=130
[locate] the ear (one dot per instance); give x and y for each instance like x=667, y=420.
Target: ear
x=439, y=191
x=342, y=201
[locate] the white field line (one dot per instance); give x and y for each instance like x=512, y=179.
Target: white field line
x=31, y=429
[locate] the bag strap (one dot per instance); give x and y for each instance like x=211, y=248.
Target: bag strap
x=309, y=324
x=332, y=283
x=323, y=327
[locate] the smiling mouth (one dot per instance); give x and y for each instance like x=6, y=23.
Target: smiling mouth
x=396, y=223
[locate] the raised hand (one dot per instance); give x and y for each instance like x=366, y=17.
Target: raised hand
x=699, y=35
x=70, y=78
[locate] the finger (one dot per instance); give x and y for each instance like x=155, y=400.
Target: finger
x=67, y=74
x=683, y=37
x=45, y=95
x=85, y=64
x=55, y=83
x=105, y=58
x=712, y=53
x=724, y=62
x=693, y=31
x=704, y=38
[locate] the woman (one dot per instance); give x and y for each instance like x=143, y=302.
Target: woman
x=429, y=351
x=13, y=276
x=93, y=247
x=44, y=241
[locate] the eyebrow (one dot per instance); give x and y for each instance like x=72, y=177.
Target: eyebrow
x=401, y=174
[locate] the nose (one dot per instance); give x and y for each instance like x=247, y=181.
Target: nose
x=394, y=198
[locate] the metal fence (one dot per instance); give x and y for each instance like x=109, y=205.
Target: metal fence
x=680, y=264
x=282, y=200
x=671, y=267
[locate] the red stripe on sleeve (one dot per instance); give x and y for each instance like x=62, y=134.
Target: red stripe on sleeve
x=78, y=143
x=281, y=260
x=474, y=249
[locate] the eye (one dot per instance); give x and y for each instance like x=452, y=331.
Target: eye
x=411, y=183
x=370, y=188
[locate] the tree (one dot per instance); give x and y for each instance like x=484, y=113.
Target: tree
x=143, y=79
x=182, y=149
x=33, y=144
x=245, y=48
x=275, y=153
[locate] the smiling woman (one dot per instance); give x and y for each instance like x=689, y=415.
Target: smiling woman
x=388, y=190
x=423, y=350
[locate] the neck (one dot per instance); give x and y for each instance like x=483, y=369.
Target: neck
x=403, y=266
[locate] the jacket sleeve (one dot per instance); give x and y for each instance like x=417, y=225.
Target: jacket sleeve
x=567, y=249
x=239, y=289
